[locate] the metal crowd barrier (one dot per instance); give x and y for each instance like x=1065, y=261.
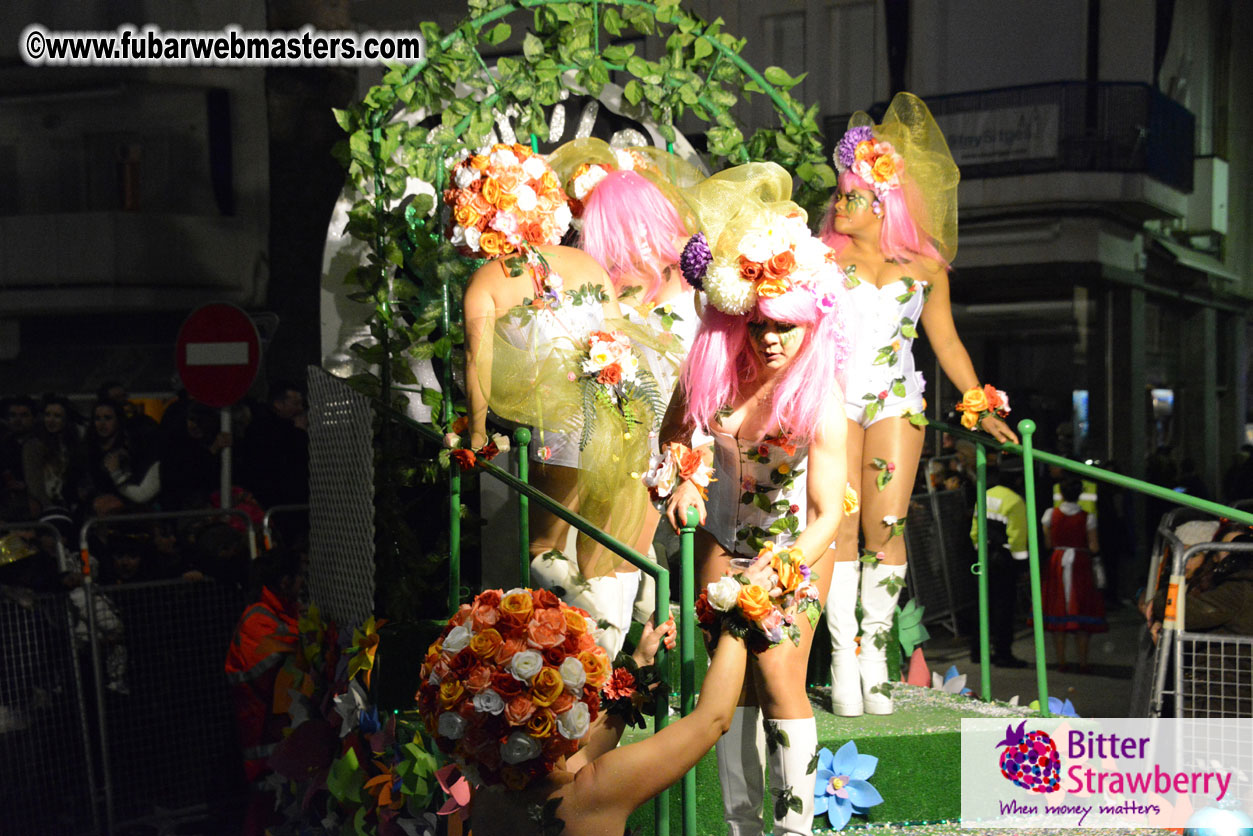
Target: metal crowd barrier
x=267, y=531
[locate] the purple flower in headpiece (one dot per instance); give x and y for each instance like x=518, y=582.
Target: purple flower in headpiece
x=695, y=260
x=845, y=151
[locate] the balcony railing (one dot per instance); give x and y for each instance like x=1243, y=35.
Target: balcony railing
x=1062, y=126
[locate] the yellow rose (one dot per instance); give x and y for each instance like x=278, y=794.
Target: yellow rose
x=884, y=169
x=546, y=686
x=517, y=605
x=492, y=243
x=486, y=643
x=540, y=726
x=770, y=288
x=851, y=501
x=491, y=190
x=576, y=624
x=785, y=564
x=970, y=420
x=754, y=602
x=595, y=665
x=450, y=693
x=466, y=216
x=975, y=400
x=863, y=150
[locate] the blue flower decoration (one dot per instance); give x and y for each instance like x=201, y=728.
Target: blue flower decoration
x=1057, y=708
x=369, y=720
x=841, y=787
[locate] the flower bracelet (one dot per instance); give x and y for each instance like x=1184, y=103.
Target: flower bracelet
x=979, y=402
x=624, y=694
x=675, y=463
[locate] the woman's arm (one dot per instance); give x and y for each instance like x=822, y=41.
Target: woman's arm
x=625, y=778
x=480, y=324
x=937, y=319
x=146, y=489
x=825, y=482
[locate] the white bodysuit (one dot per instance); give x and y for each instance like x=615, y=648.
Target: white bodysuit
x=882, y=381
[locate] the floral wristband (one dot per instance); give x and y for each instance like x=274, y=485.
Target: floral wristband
x=675, y=463
x=624, y=693
x=465, y=457
x=978, y=402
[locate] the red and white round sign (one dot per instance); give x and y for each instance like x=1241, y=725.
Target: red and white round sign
x=217, y=354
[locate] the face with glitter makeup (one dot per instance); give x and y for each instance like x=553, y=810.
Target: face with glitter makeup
x=855, y=212
x=775, y=343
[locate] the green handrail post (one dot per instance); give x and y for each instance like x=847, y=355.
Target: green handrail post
x=661, y=718
x=687, y=649
x=522, y=441
x=981, y=569
x=1027, y=427
x=454, y=537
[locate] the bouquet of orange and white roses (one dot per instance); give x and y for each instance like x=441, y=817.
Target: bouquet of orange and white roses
x=611, y=375
x=675, y=463
x=763, y=617
x=502, y=200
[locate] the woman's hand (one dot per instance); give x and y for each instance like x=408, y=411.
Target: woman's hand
x=686, y=495
x=998, y=429
x=651, y=638
x=112, y=461
x=760, y=573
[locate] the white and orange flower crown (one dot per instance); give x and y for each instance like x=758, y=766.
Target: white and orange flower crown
x=503, y=200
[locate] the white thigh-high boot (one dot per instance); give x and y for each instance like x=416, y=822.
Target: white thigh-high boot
x=556, y=572
x=842, y=625
x=742, y=772
x=881, y=585
x=793, y=744
x=601, y=597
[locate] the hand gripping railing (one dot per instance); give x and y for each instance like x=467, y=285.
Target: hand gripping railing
x=687, y=615
x=1030, y=456
x=63, y=565
x=89, y=594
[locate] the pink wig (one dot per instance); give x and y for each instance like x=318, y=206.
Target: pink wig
x=722, y=359
x=630, y=227
x=901, y=238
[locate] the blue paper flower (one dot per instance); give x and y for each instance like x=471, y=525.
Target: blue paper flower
x=1057, y=708
x=841, y=787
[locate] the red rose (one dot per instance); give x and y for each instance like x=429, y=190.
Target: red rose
x=883, y=395
x=504, y=684
x=544, y=599
x=794, y=508
x=463, y=458
x=704, y=612
x=610, y=375
x=488, y=451
x=621, y=684
x=479, y=680
x=781, y=265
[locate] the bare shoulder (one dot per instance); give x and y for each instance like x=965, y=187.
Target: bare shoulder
x=575, y=266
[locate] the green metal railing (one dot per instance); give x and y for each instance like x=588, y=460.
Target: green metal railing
x=1030, y=456
x=686, y=640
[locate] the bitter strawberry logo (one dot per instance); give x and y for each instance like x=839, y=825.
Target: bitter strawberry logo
x=1030, y=759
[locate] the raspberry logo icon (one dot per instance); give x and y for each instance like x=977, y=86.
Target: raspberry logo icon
x=1030, y=759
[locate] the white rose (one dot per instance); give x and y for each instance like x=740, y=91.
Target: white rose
x=471, y=236
x=534, y=168
x=465, y=176
x=451, y=725
x=505, y=158
x=573, y=724
x=458, y=238
x=501, y=441
x=889, y=519
x=593, y=627
x=527, y=200
x=723, y=593
x=519, y=747
x=489, y=702
x=661, y=474
x=525, y=664
x=778, y=237
x=755, y=247
x=457, y=638
x=573, y=674
x=624, y=160
x=588, y=180
x=561, y=217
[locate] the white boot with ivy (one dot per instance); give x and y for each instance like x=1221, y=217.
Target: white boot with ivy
x=742, y=772
x=881, y=585
x=793, y=748
x=842, y=625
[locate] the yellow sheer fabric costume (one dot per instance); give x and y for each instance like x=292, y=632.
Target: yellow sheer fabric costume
x=734, y=201
x=930, y=176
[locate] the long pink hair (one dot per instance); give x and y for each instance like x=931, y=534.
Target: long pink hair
x=630, y=227
x=722, y=359
x=901, y=238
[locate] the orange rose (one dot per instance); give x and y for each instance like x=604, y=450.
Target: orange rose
x=479, y=204
x=547, y=628
x=491, y=191
x=576, y=625
x=851, y=501
x=509, y=179
x=544, y=599
x=750, y=270
x=610, y=375
x=519, y=709
x=781, y=265
x=689, y=462
x=486, y=643
x=450, y=693
x=532, y=231
x=884, y=169
x=492, y=242
x=970, y=420
x=508, y=648
x=974, y=400
x=541, y=724
x=479, y=162
x=595, y=665
x=754, y=601
x=562, y=704
x=993, y=397
x=771, y=287
x=523, y=151
x=546, y=686
x=460, y=616
x=465, y=216
x=479, y=680
x=784, y=565
x=863, y=150
x=550, y=183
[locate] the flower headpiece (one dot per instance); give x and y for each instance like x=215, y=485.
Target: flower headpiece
x=503, y=200
x=582, y=164
x=875, y=161
x=587, y=176
x=512, y=684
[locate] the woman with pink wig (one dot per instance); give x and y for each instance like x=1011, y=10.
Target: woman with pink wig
x=893, y=226
x=761, y=397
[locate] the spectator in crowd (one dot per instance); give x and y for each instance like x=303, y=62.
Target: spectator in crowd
x=19, y=415
x=1072, y=597
x=135, y=421
x=274, y=453
x=1007, y=551
x=1219, y=589
x=121, y=472
x=53, y=457
x=220, y=552
x=132, y=559
x=190, y=460
x=266, y=638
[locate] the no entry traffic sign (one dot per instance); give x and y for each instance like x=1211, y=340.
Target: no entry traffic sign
x=217, y=354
